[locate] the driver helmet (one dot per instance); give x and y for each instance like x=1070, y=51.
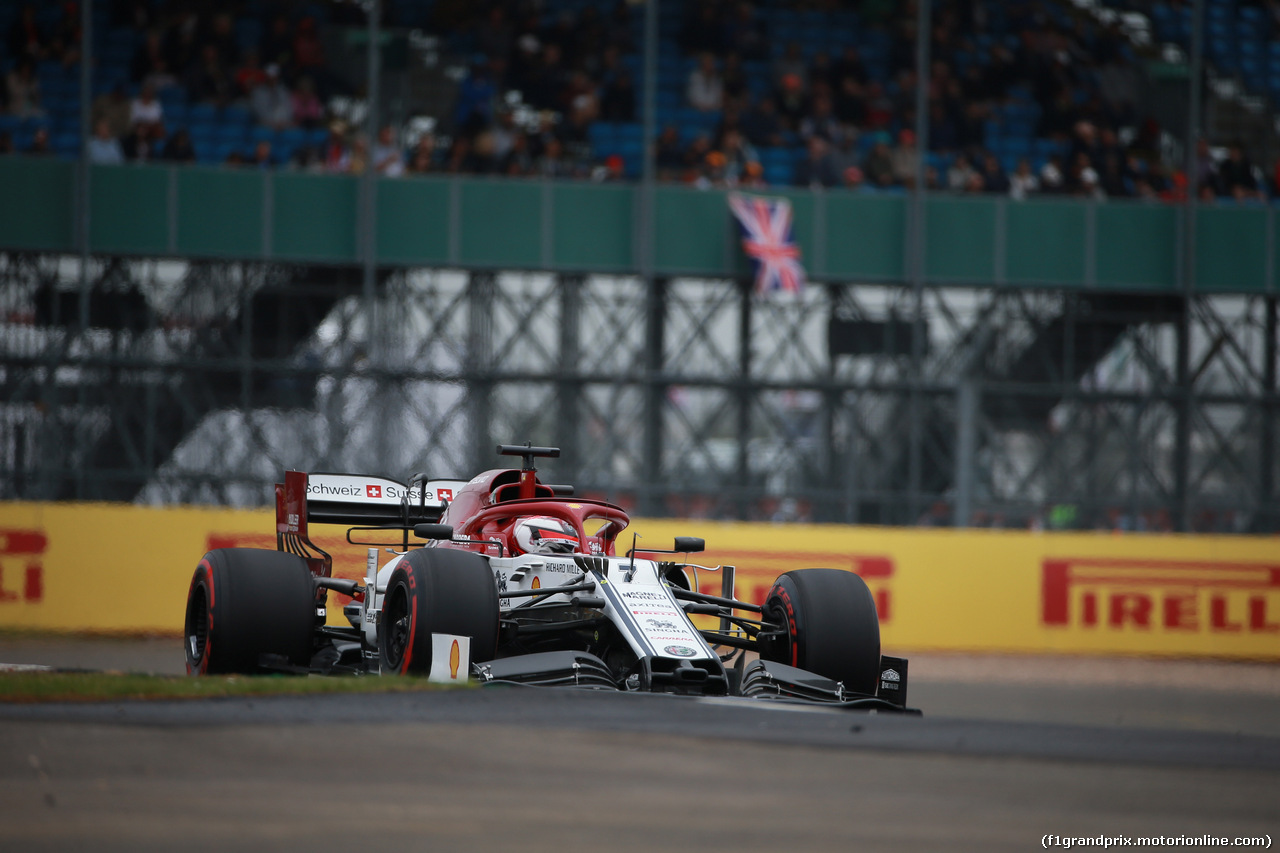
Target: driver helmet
x=542, y=534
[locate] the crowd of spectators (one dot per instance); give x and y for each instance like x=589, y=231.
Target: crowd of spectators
x=537, y=84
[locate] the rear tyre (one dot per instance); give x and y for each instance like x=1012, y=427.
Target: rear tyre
x=244, y=603
x=831, y=626
x=437, y=591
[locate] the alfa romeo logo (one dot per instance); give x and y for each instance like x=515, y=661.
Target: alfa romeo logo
x=680, y=651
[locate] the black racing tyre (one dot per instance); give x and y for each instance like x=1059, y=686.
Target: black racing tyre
x=437, y=591
x=831, y=626
x=247, y=602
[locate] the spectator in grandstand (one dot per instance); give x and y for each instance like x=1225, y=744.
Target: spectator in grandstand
x=818, y=168
x=222, y=38
x=619, y=100
x=791, y=64
x=104, y=148
x=821, y=121
x=113, y=108
x=705, y=90
x=422, y=155
x=23, y=89
x=753, y=176
x=878, y=167
x=250, y=74
x=961, y=177
x=733, y=81
x=553, y=163
x=308, y=54
x=745, y=35
x=178, y=148
x=1052, y=178
x=308, y=112
x=6, y=142
x=277, y=42
x=271, y=102
x=791, y=102
x=388, y=159
x=903, y=158
x=695, y=156
x=1236, y=175
x=182, y=46
x=1112, y=178
x=1023, y=182
x=306, y=159
x=26, y=38
x=263, y=158
x=143, y=142
x=146, y=109
x=40, y=143
x=669, y=158
x=738, y=155
x=473, y=109
x=519, y=160
x=760, y=124
x=208, y=81
x=149, y=56
x=334, y=156
x=994, y=180
x=359, y=159
x=64, y=40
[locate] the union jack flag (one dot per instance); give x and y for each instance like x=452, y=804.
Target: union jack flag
x=767, y=240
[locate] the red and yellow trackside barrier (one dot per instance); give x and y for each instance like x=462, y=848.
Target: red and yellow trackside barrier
x=121, y=568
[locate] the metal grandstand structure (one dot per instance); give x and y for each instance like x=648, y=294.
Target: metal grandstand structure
x=198, y=382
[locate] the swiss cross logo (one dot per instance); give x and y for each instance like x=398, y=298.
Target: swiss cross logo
x=373, y=491
x=445, y=494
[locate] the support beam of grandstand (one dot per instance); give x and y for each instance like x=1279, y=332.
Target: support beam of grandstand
x=368, y=181
x=916, y=264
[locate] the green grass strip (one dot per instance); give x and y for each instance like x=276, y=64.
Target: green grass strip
x=113, y=686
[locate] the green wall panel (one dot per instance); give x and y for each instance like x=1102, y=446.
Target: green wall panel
x=413, y=221
x=129, y=212
x=501, y=223
x=865, y=236
x=37, y=210
x=692, y=231
x=1045, y=242
x=593, y=226
x=220, y=212
x=1231, y=249
x=960, y=235
x=1136, y=246
x=314, y=217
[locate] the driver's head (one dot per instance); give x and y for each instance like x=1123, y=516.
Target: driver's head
x=542, y=534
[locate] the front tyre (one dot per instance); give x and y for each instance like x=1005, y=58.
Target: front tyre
x=244, y=603
x=831, y=628
x=437, y=591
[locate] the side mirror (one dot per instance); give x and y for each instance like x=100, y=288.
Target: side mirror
x=689, y=544
x=433, y=531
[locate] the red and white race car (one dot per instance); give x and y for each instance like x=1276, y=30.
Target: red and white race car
x=505, y=578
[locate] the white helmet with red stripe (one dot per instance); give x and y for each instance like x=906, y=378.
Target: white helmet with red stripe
x=542, y=534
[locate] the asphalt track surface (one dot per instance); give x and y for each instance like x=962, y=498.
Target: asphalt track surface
x=1010, y=750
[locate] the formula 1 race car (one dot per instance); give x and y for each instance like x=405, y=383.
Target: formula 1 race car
x=519, y=581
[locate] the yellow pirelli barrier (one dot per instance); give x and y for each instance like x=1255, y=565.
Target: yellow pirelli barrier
x=106, y=567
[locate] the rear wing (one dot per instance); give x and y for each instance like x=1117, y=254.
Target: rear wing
x=352, y=499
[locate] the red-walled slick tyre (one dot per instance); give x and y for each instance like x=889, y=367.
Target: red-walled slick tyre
x=247, y=602
x=437, y=591
x=831, y=626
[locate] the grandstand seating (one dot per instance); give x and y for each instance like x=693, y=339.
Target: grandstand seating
x=1238, y=41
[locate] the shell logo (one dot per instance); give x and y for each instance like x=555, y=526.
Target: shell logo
x=455, y=657
x=537, y=584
